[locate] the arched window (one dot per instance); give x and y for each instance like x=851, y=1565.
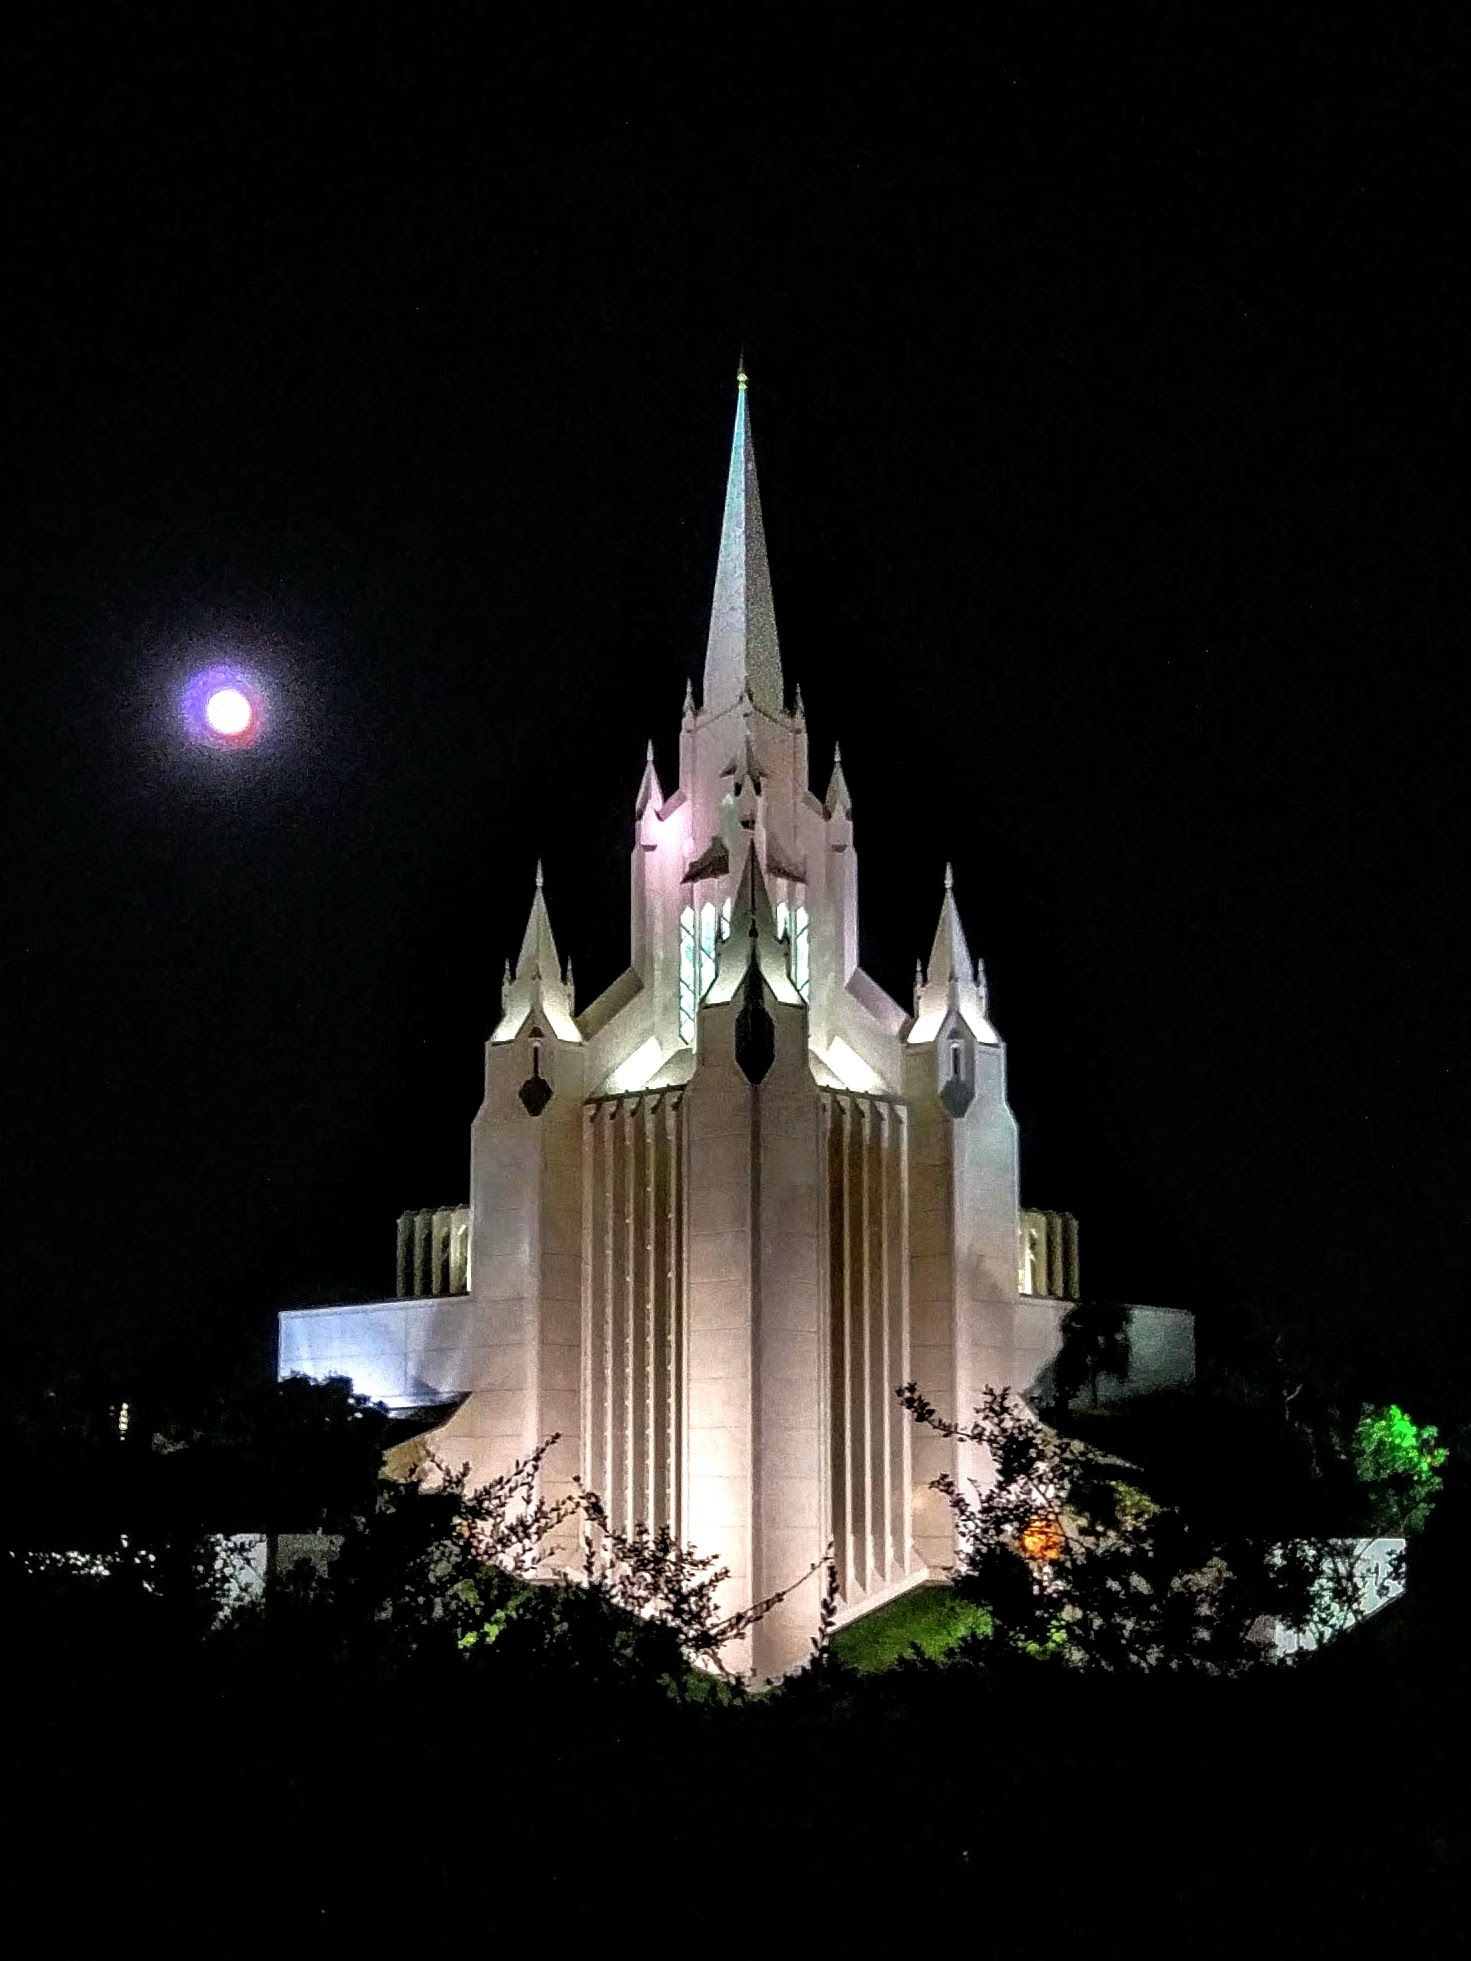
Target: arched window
x=783, y=919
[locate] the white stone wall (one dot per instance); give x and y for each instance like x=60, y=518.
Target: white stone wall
x=404, y=1354
x=1371, y=1572
x=1161, y=1355
x=868, y=1347
x=634, y=1307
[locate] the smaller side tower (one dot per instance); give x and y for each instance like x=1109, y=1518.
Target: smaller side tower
x=526, y=1223
x=968, y=1330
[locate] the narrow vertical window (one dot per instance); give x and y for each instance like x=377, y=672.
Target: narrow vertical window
x=802, y=954
x=783, y=919
x=687, y=994
x=725, y=912
x=706, y=971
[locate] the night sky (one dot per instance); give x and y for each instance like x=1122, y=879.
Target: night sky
x=1107, y=382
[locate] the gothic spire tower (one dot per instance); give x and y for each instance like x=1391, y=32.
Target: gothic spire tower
x=719, y=1216
x=742, y=656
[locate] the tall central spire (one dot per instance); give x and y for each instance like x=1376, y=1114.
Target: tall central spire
x=742, y=650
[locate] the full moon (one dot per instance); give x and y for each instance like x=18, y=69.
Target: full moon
x=228, y=712
x=225, y=706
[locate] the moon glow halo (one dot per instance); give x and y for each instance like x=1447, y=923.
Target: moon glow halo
x=223, y=707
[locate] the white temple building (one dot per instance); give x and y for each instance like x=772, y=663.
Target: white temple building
x=720, y=1214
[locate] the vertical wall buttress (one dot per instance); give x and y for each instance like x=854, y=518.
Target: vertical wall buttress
x=867, y=1342
x=633, y=1300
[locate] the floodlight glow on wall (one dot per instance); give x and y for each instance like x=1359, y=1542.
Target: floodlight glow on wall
x=640, y=1066
x=851, y=1070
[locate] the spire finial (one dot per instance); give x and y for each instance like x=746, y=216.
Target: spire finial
x=742, y=646
x=838, y=800
x=950, y=973
x=538, y=986
x=650, y=792
x=741, y=372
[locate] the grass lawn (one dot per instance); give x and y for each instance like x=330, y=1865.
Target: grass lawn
x=932, y=1619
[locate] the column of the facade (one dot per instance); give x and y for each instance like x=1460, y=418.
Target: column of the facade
x=931, y=1258
x=612, y=1372
x=790, y=1515
x=717, y=1181
x=671, y=1369
x=649, y=1311
x=594, y=1386
x=879, y=1381
x=845, y=1524
x=630, y=1387
x=901, y=1427
x=1056, y=1257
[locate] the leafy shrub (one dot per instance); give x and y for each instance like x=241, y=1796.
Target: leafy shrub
x=1401, y=1461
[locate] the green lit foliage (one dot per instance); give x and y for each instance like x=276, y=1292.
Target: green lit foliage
x=1072, y=1564
x=930, y=1624
x=1401, y=1461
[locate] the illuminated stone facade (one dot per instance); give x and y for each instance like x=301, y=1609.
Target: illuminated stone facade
x=717, y=1217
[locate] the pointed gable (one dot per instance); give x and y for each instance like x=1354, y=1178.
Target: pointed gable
x=950, y=956
x=537, y=983
x=538, y=955
x=951, y=982
x=752, y=937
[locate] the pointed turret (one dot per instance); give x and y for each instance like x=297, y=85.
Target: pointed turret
x=951, y=980
x=538, y=955
x=537, y=981
x=838, y=798
x=742, y=653
x=649, y=792
x=950, y=956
